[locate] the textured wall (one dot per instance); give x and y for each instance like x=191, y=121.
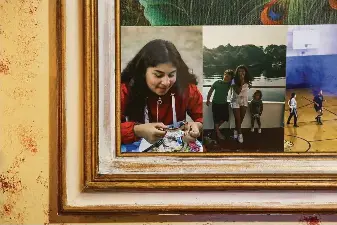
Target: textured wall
x=25, y=74
x=24, y=71
x=316, y=71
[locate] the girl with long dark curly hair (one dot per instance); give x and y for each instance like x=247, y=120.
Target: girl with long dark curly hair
x=157, y=90
x=239, y=98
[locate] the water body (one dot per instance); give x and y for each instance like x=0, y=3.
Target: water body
x=269, y=93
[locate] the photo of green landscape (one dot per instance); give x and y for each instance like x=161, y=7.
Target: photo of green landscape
x=265, y=64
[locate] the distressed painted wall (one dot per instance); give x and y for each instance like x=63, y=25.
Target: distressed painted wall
x=24, y=119
x=24, y=89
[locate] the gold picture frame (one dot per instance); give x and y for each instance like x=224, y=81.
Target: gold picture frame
x=160, y=172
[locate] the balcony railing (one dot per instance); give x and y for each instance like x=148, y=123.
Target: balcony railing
x=272, y=116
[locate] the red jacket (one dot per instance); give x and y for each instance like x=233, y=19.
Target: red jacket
x=190, y=103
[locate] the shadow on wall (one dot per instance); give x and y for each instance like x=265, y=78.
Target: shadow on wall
x=317, y=71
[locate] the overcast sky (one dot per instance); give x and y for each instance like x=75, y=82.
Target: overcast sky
x=259, y=35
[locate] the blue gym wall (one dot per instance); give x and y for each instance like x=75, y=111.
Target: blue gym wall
x=315, y=71
x=313, y=67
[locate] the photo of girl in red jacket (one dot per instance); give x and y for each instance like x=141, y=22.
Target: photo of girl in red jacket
x=157, y=91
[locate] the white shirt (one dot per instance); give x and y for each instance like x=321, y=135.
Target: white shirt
x=292, y=103
x=243, y=96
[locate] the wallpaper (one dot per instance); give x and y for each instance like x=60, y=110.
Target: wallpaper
x=24, y=117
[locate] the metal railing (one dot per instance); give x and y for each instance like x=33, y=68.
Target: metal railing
x=272, y=116
x=281, y=102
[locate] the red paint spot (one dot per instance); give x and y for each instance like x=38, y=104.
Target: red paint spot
x=311, y=220
x=29, y=143
x=9, y=182
x=27, y=140
x=7, y=209
x=4, y=66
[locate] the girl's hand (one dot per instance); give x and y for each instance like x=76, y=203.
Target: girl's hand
x=150, y=131
x=192, y=131
x=208, y=102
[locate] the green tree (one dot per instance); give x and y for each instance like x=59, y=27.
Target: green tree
x=258, y=59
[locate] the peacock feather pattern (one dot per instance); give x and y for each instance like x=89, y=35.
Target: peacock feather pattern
x=227, y=12
x=274, y=13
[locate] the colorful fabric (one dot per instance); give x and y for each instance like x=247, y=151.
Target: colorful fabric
x=222, y=12
x=173, y=142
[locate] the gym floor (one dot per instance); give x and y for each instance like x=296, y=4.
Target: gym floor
x=310, y=137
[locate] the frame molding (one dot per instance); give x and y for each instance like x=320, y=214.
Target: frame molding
x=169, y=172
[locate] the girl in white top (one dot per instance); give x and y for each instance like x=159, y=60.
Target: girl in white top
x=293, y=109
x=239, y=98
